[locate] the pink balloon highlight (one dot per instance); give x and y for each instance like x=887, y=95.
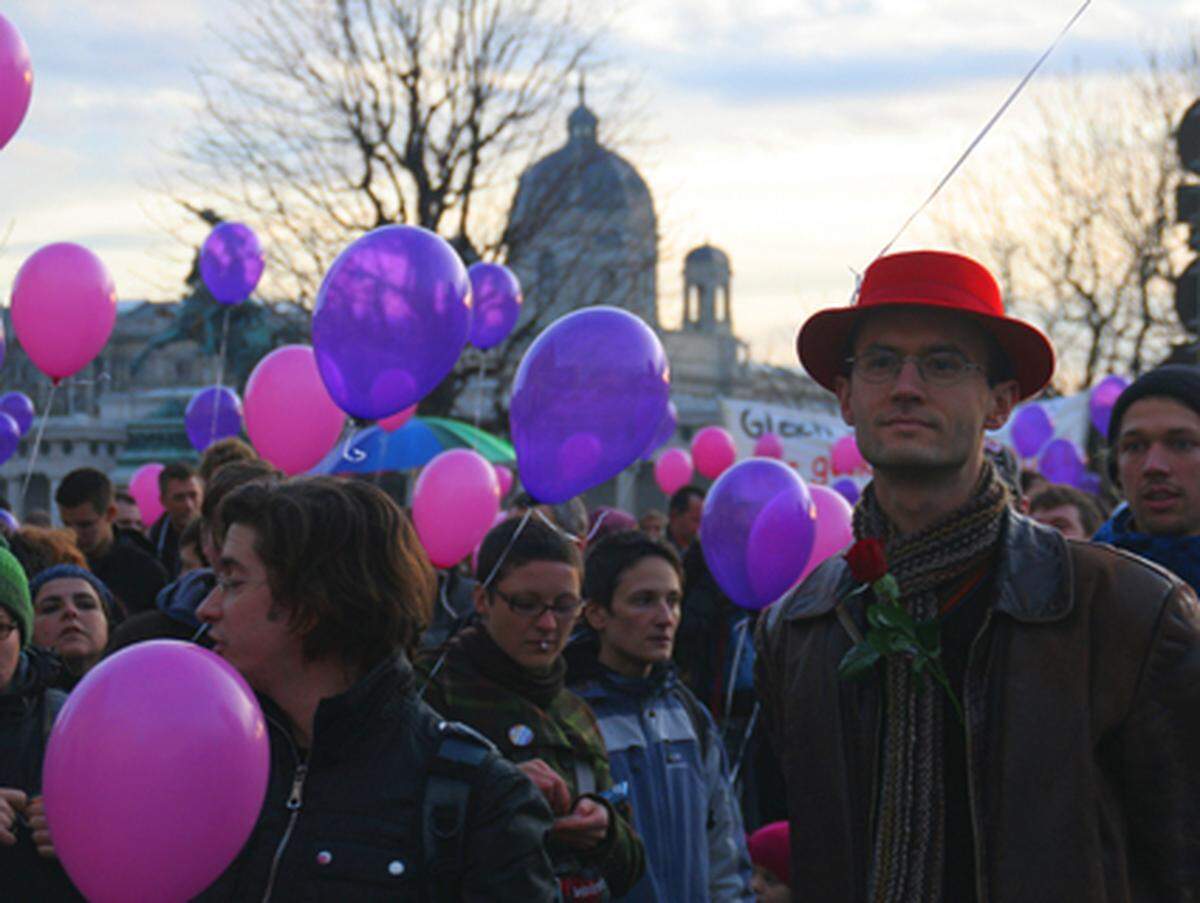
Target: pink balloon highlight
x=64, y=306
x=835, y=530
x=768, y=446
x=290, y=418
x=455, y=502
x=16, y=80
x=673, y=470
x=124, y=773
x=504, y=476
x=397, y=420
x=143, y=486
x=713, y=451
x=846, y=458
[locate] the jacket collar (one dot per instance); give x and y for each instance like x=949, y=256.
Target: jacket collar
x=1034, y=582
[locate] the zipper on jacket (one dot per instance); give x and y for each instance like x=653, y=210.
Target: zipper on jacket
x=294, y=801
x=980, y=896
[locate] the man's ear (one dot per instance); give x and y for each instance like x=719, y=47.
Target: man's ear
x=841, y=388
x=479, y=596
x=110, y=513
x=596, y=615
x=1003, y=399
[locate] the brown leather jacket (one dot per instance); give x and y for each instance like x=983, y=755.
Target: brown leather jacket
x=1083, y=715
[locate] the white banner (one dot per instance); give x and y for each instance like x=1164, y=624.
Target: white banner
x=806, y=435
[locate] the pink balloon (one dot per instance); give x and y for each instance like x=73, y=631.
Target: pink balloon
x=846, y=458
x=397, y=420
x=290, y=418
x=143, y=486
x=16, y=80
x=504, y=476
x=835, y=530
x=713, y=451
x=768, y=446
x=123, y=773
x=64, y=306
x=673, y=470
x=455, y=502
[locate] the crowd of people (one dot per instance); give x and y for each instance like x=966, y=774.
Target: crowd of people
x=583, y=715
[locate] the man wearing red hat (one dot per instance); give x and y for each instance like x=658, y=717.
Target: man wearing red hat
x=1025, y=722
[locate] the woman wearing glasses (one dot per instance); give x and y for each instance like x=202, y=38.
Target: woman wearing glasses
x=505, y=678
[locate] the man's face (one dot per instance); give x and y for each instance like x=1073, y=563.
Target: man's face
x=686, y=524
x=68, y=617
x=182, y=499
x=638, y=630
x=912, y=428
x=93, y=530
x=1158, y=462
x=533, y=640
x=653, y=525
x=129, y=516
x=246, y=625
x=1064, y=518
x=10, y=647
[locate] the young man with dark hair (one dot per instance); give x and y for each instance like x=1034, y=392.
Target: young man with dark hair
x=1072, y=512
x=181, y=494
x=661, y=741
x=322, y=586
x=505, y=677
x=683, y=517
x=1024, y=725
x=123, y=559
x=129, y=515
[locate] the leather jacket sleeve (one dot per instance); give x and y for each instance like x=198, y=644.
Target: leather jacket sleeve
x=1159, y=747
x=505, y=847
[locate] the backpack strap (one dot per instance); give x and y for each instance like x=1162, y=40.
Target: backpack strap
x=452, y=770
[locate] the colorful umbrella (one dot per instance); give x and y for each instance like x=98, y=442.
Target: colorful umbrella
x=413, y=445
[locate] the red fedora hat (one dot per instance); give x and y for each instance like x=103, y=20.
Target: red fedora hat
x=932, y=279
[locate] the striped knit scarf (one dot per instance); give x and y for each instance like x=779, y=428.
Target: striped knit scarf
x=910, y=819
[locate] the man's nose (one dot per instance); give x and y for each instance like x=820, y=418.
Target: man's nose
x=1157, y=460
x=546, y=620
x=909, y=380
x=208, y=609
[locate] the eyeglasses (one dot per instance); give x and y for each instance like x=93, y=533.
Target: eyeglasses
x=937, y=368
x=529, y=606
x=231, y=585
x=6, y=630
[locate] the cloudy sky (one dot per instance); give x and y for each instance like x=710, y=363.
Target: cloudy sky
x=796, y=134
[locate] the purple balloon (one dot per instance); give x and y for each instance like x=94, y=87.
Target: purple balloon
x=495, y=303
x=231, y=262
x=19, y=407
x=391, y=319
x=587, y=399
x=10, y=435
x=757, y=531
x=8, y=522
x=1101, y=400
x=847, y=489
x=1089, y=482
x=666, y=429
x=212, y=414
x=1061, y=462
x=1031, y=430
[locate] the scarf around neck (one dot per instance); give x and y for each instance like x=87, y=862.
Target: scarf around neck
x=496, y=665
x=910, y=817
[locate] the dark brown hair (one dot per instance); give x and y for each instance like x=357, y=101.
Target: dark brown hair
x=222, y=452
x=1055, y=495
x=616, y=553
x=85, y=484
x=176, y=470
x=229, y=478
x=342, y=561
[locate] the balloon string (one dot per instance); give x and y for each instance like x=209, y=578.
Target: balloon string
x=508, y=548
x=212, y=433
x=349, y=452
x=561, y=531
x=750, y=725
x=479, y=388
x=596, y=526
x=37, y=445
x=987, y=128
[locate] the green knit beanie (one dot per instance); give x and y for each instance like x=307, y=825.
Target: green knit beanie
x=14, y=594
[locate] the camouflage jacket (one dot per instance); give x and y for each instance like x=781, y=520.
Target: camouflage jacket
x=564, y=735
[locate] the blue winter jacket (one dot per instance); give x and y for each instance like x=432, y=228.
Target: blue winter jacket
x=1180, y=554
x=664, y=746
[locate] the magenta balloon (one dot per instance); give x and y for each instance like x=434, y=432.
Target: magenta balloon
x=756, y=530
x=673, y=470
x=391, y=319
x=64, y=306
x=143, y=486
x=495, y=303
x=1031, y=430
x=713, y=451
x=231, y=262
x=587, y=399
x=835, y=530
x=159, y=756
x=768, y=446
x=504, y=476
x=290, y=418
x=455, y=502
x=1101, y=400
x=16, y=80
x=845, y=458
x=393, y=423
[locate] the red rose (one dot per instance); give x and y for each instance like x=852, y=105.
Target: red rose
x=866, y=560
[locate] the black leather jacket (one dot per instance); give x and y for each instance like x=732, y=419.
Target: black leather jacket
x=344, y=822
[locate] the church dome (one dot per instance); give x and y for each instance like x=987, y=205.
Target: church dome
x=707, y=254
